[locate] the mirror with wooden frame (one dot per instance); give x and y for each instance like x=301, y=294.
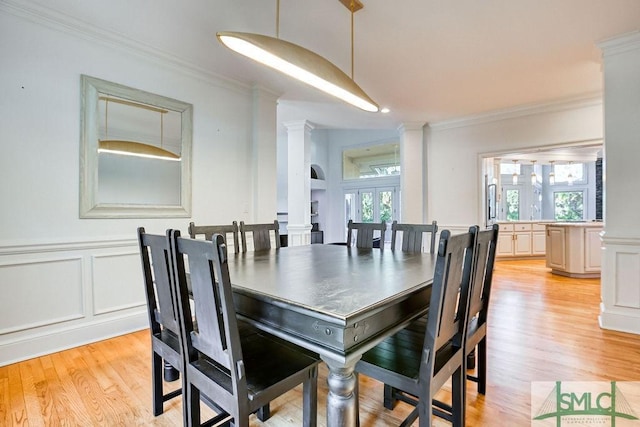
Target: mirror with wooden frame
x=135, y=159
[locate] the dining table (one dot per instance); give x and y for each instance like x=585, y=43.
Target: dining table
x=337, y=301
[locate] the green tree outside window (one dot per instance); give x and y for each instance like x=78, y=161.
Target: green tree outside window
x=513, y=205
x=367, y=207
x=569, y=205
x=386, y=206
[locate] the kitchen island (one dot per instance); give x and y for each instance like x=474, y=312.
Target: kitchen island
x=573, y=249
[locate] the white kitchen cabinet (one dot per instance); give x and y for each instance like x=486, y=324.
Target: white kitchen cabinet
x=592, y=249
x=505, y=240
x=574, y=249
x=522, y=243
x=556, y=252
x=521, y=239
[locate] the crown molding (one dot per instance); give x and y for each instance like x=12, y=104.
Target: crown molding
x=70, y=25
x=583, y=101
x=620, y=44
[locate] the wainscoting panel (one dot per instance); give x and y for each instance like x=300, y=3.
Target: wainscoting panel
x=627, y=271
x=117, y=282
x=40, y=293
x=620, y=307
x=58, y=295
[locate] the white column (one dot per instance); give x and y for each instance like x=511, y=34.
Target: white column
x=412, y=184
x=620, y=281
x=263, y=157
x=299, y=182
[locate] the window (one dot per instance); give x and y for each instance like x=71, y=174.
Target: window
x=569, y=173
x=386, y=205
x=375, y=161
x=568, y=205
x=513, y=205
x=509, y=168
x=366, y=198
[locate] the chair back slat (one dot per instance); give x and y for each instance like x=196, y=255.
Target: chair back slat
x=154, y=251
x=365, y=233
x=261, y=235
x=483, y=272
x=450, y=292
x=412, y=236
x=209, y=230
x=216, y=334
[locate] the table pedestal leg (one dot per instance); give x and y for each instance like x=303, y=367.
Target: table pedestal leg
x=342, y=401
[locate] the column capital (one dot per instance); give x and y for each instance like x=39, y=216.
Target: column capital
x=299, y=125
x=408, y=126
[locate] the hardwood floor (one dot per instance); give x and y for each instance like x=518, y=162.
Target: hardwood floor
x=542, y=327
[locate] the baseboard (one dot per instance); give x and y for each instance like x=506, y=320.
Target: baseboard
x=85, y=333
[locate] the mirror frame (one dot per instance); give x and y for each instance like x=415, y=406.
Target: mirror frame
x=91, y=87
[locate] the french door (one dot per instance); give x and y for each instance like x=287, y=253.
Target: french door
x=372, y=204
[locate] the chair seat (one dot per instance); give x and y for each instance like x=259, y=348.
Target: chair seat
x=169, y=339
x=402, y=352
x=267, y=361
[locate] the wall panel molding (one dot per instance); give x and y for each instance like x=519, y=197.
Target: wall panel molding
x=39, y=247
x=61, y=294
x=51, y=288
x=620, y=307
x=119, y=270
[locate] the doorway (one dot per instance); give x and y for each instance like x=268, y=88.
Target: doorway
x=372, y=204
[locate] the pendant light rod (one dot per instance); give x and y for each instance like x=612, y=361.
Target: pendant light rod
x=277, y=19
x=352, y=61
x=353, y=6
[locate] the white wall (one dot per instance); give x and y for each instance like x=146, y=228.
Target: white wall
x=336, y=141
x=64, y=280
x=454, y=151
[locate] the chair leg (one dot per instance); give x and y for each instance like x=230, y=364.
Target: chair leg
x=310, y=399
x=458, y=390
x=170, y=373
x=482, y=366
x=389, y=397
x=471, y=359
x=156, y=383
x=264, y=413
x=192, y=406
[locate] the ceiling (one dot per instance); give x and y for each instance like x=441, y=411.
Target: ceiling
x=426, y=60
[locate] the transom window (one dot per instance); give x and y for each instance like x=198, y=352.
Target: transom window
x=371, y=162
x=569, y=173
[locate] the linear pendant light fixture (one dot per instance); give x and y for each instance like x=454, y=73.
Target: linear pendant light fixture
x=134, y=148
x=300, y=63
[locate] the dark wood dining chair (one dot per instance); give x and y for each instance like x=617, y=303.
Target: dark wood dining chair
x=228, y=363
x=479, y=304
x=418, y=360
x=365, y=233
x=227, y=230
x=162, y=309
x=412, y=235
x=261, y=235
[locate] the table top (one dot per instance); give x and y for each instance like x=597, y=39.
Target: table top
x=331, y=298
